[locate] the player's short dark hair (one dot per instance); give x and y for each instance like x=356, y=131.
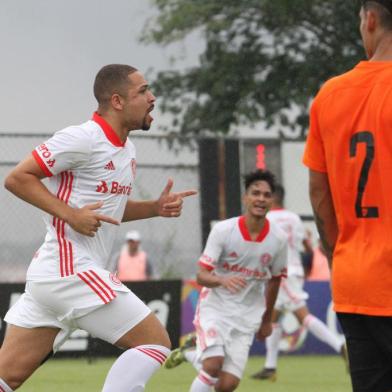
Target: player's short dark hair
x=112, y=79
x=260, y=175
x=384, y=10
x=279, y=193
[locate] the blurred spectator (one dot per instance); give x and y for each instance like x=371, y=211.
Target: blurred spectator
x=133, y=263
x=320, y=268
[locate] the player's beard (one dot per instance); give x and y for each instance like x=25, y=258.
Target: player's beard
x=146, y=123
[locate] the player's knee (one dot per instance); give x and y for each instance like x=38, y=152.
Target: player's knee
x=226, y=386
x=211, y=367
x=15, y=377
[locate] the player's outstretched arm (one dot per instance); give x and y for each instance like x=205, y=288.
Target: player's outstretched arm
x=169, y=205
x=24, y=181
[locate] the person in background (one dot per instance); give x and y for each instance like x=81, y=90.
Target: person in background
x=292, y=296
x=240, y=270
x=133, y=263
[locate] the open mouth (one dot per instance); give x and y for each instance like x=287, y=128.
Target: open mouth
x=151, y=108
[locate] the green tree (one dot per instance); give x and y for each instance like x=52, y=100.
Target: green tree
x=263, y=60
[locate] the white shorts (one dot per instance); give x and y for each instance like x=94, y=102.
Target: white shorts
x=217, y=338
x=291, y=296
x=95, y=302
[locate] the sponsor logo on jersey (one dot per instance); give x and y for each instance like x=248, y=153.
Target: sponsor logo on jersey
x=114, y=188
x=233, y=255
x=244, y=271
x=102, y=187
x=212, y=333
x=46, y=154
x=110, y=166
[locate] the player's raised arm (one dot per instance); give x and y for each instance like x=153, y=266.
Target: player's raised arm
x=169, y=205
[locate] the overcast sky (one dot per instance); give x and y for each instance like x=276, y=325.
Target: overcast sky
x=52, y=49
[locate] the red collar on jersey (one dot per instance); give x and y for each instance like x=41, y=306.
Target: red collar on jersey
x=245, y=233
x=108, y=130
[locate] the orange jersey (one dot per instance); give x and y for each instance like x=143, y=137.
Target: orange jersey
x=350, y=138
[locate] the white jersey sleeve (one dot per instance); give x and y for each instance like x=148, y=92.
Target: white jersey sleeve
x=67, y=149
x=213, y=248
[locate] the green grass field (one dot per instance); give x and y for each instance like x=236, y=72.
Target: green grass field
x=296, y=374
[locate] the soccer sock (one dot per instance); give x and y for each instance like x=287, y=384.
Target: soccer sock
x=133, y=368
x=203, y=382
x=191, y=357
x=272, y=346
x=321, y=331
x=4, y=387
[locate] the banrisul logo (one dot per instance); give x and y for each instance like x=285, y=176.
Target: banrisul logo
x=114, y=188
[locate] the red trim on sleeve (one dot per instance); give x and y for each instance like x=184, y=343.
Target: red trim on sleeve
x=245, y=233
x=41, y=163
x=206, y=266
x=280, y=276
x=108, y=130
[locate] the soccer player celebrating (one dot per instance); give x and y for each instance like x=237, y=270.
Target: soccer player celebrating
x=292, y=297
x=91, y=171
x=240, y=271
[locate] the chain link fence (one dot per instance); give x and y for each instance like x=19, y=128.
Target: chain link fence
x=173, y=245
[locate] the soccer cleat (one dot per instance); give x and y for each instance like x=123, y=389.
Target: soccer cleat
x=344, y=354
x=265, y=374
x=189, y=342
x=177, y=357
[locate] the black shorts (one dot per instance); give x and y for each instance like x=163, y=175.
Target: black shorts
x=369, y=344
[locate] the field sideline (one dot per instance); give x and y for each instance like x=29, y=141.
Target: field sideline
x=296, y=374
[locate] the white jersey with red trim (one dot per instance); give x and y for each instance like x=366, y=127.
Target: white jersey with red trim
x=230, y=251
x=292, y=225
x=85, y=164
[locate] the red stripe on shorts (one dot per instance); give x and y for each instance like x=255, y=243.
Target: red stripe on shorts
x=86, y=280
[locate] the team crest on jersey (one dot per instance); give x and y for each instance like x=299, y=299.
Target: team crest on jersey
x=133, y=167
x=265, y=259
x=211, y=333
x=114, y=278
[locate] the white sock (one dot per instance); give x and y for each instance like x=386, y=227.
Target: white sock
x=133, y=368
x=191, y=357
x=321, y=331
x=272, y=346
x=4, y=387
x=203, y=382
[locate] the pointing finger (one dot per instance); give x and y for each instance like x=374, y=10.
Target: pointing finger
x=187, y=193
x=107, y=219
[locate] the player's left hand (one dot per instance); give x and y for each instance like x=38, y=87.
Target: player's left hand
x=265, y=330
x=170, y=204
